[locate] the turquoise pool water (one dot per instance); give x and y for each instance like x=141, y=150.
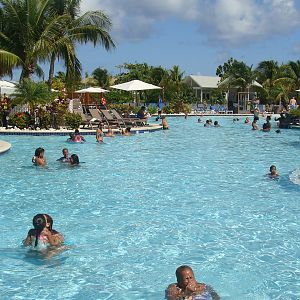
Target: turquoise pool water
x=142, y=205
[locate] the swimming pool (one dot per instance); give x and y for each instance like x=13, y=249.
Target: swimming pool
x=140, y=206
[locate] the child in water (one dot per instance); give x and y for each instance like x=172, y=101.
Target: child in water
x=187, y=288
x=273, y=172
x=42, y=234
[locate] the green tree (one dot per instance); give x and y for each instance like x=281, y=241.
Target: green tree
x=102, y=77
x=32, y=93
x=33, y=32
x=27, y=35
x=267, y=72
x=93, y=26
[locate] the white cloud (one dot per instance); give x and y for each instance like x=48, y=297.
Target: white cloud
x=230, y=22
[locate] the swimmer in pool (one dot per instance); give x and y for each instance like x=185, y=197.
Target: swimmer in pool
x=187, y=288
x=38, y=159
x=273, y=172
x=43, y=234
x=74, y=160
x=65, y=158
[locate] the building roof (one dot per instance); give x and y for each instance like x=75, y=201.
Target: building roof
x=254, y=83
x=205, y=81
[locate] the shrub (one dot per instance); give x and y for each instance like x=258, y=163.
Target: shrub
x=73, y=120
x=152, y=110
x=21, y=120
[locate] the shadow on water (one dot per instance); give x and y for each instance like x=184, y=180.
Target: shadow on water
x=290, y=182
x=48, y=257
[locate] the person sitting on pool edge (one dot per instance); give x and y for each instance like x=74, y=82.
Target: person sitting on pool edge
x=65, y=158
x=38, y=159
x=273, y=172
x=110, y=132
x=187, y=288
x=43, y=234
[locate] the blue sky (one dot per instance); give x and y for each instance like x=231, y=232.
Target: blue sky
x=197, y=35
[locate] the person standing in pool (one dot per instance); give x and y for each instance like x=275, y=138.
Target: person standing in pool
x=99, y=134
x=65, y=158
x=43, y=234
x=38, y=159
x=188, y=288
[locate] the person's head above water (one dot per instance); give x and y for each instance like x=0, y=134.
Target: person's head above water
x=76, y=131
x=184, y=275
x=74, y=159
x=65, y=152
x=273, y=170
x=39, y=151
x=39, y=223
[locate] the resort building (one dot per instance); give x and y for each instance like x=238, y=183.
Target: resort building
x=236, y=99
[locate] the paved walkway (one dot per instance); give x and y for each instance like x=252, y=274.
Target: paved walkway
x=4, y=146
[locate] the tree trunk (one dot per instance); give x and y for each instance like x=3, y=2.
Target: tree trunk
x=51, y=70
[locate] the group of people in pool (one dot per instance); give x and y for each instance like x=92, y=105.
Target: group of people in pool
x=39, y=158
x=209, y=123
x=100, y=135
x=42, y=237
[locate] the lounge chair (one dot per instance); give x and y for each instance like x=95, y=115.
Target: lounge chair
x=110, y=119
x=96, y=116
x=85, y=119
x=128, y=121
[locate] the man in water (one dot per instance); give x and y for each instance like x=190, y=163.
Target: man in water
x=65, y=158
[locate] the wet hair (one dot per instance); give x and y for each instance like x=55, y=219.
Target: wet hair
x=216, y=123
x=278, y=131
x=38, y=151
x=49, y=220
x=76, y=131
x=273, y=166
x=180, y=269
x=39, y=223
x=65, y=149
x=74, y=159
x=128, y=129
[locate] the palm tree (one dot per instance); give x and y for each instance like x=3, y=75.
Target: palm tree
x=267, y=71
x=176, y=77
x=29, y=32
x=295, y=73
x=32, y=93
x=93, y=26
x=32, y=30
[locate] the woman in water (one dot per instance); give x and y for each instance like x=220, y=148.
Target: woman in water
x=74, y=160
x=38, y=159
x=99, y=134
x=110, y=132
x=43, y=235
x=273, y=172
x=187, y=288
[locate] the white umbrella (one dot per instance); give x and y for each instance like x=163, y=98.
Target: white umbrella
x=135, y=85
x=97, y=90
x=297, y=90
x=7, y=87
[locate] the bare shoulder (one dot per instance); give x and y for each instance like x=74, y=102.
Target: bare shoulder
x=172, y=291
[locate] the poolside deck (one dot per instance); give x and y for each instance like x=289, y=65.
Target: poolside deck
x=83, y=131
x=4, y=146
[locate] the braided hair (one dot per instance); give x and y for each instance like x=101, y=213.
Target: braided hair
x=39, y=223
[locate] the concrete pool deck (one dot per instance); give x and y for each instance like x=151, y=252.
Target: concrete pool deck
x=4, y=146
x=83, y=131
